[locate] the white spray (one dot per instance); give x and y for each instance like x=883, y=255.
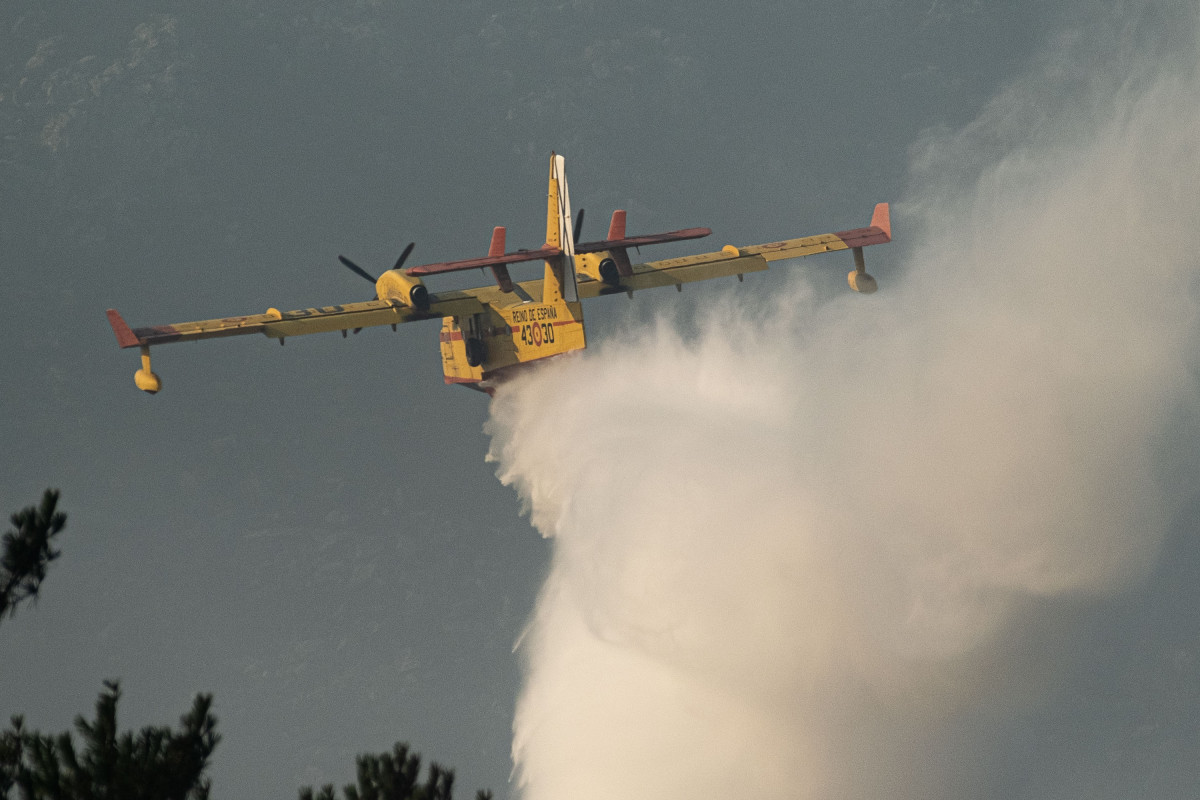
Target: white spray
x=795, y=553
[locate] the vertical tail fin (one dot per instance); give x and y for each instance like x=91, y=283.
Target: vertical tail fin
x=560, y=270
x=616, y=228
x=496, y=248
x=500, y=271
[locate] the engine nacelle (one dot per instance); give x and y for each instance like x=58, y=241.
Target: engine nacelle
x=409, y=290
x=861, y=282
x=609, y=272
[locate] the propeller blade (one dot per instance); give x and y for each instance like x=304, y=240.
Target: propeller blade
x=355, y=268
x=404, y=256
x=579, y=225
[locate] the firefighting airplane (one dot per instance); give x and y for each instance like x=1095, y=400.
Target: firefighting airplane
x=488, y=331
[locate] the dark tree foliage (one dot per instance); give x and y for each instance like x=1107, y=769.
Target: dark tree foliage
x=27, y=552
x=154, y=764
x=394, y=776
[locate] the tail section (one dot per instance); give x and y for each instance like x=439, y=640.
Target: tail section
x=560, y=270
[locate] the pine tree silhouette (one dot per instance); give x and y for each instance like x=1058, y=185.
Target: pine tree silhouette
x=394, y=776
x=156, y=763
x=27, y=552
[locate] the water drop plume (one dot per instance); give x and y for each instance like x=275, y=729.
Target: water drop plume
x=810, y=548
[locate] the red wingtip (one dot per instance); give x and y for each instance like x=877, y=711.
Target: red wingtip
x=125, y=336
x=882, y=219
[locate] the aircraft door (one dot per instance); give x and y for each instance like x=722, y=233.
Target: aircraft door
x=473, y=340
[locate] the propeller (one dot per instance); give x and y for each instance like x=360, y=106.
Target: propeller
x=357, y=270
x=578, y=225
x=404, y=256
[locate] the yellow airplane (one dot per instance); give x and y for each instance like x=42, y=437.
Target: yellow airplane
x=488, y=331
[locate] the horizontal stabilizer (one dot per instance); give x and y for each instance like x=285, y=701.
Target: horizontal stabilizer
x=550, y=252
x=638, y=241
x=486, y=261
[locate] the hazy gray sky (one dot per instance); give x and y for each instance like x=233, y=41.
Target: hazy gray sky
x=312, y=533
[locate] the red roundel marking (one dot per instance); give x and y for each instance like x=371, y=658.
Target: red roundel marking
x=537, y=335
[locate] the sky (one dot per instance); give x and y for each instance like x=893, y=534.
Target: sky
x=937, y=542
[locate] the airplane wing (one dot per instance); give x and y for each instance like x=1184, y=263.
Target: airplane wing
x=740, y=260
x=878, y=232
x=279, y=324
x=668, y=272
x=677, y=271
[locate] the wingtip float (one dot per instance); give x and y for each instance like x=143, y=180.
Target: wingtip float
x=489, y=331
